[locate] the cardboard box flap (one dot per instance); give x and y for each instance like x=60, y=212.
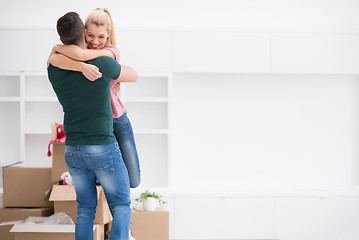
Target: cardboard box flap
x=53, y=228
x=35, y=224
x=11, y=164
x=36, y=219
x=10, y=223
x=63, y=193
x=66, y=193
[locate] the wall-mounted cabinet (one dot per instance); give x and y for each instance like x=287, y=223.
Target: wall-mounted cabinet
x=313, y=218
x=146, y=51
x=235, y=218
x=305, y=53
x=221, y=52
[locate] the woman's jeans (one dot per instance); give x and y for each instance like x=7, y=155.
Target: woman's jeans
x=123, y=132
x=88, y=163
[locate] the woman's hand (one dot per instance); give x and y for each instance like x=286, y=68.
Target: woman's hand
x=91, y=72
x=116, y=88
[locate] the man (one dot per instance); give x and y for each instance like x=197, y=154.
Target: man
x=91, y=150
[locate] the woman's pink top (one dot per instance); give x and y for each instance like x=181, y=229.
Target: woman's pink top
x=117, y=106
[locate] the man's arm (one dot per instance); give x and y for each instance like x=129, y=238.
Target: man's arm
x=80, y=54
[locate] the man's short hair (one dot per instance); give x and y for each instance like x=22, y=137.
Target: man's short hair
x=70, y=28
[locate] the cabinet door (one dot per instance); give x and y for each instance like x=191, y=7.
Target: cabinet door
x=315, y=53
x=313, y=218
x=224, y=218
x=221, y=52
x=10, y=132
x=146, y=51
x=153, y=156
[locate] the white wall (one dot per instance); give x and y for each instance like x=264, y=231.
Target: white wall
x=273, y=15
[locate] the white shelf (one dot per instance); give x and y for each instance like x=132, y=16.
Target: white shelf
x=39, y=132
x=149, y=74
x=11, y=73
x=9, y=99
x=35, y=73
x=145, y=100
x=235, y=193
x=163, y=131
x=277, y=193
x=41, y=99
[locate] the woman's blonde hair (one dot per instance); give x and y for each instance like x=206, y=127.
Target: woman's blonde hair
x=102, y=17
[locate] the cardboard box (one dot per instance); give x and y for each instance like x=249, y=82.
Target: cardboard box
x=15, y=214
x=99, y=232
x=26, y=187
x=150, y=225
x=10, y=216
x=64, y=198
x=40, y=231
x=5, y=228
x=58, y=161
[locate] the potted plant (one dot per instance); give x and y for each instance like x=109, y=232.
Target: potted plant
x=150, y=200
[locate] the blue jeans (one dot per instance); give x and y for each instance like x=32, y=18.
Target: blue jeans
x=123, y=132
x=88, y=163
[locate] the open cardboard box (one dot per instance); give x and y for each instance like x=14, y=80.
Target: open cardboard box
x=39, y=231
x=149, y=225
x=11, y=216
x=15, y=214
x=26, y=187
x=64, y=198
x=5, y=228
x=58, y=161
x=58, y=157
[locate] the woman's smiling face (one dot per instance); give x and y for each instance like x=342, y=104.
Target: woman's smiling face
x=96, y=36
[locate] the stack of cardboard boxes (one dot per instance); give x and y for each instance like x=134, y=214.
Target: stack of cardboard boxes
x=30, y=194
x=35, y=192
x=144, y=225
x=26, y=193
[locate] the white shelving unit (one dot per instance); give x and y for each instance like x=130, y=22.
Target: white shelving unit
x=148, y=105
x=31, y=106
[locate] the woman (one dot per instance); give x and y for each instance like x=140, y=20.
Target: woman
x=100, y=38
